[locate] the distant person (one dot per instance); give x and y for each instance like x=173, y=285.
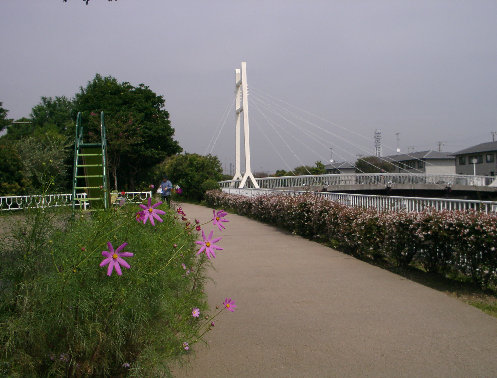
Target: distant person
x=166, y=186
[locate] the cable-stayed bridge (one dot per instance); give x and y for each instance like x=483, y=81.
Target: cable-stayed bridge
x=310, y=131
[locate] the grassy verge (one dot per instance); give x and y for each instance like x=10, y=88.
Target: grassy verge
x=62, y=314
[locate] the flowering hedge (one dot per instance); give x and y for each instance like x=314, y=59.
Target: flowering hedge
x=461, y=242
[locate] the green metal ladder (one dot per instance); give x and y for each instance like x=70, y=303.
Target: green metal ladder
x=90, y=170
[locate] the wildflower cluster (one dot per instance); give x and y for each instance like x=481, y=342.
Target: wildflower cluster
x=90, y=321
x=207, y=249
x=461, y=242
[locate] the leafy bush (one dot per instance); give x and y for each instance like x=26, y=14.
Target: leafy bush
x=461, y=242
x=193, y=173
x=62, y=315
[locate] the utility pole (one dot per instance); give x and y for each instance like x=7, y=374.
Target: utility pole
x=397, y=135
x=331, y=154
x=377, y=142
x=440, y=144
x=493, y=135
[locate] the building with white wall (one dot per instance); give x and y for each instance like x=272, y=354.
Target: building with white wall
x=427, y=162
x=480, y=160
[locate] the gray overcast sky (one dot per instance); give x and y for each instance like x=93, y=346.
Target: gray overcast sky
x=424, y=68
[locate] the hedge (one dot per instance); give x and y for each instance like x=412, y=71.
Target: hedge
x=460, y=242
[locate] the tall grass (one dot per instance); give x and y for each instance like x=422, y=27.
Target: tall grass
x=61, y=315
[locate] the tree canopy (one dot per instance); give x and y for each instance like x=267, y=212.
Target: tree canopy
x=139, y=132
x=57, y=112
x=4, y=122
x=194, y=173
x=373, y=164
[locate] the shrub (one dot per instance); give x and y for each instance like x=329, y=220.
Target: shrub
x=464, y=242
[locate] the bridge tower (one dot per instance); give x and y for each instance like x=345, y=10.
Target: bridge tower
x=242, y=97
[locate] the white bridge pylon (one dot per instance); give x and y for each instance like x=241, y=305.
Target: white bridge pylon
x=242, y=96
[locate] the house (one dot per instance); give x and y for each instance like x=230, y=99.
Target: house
x=427, y=162
x=340, y=168
x=477, y=160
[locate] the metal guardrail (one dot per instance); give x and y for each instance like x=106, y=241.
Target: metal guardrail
x=56, y=200
x=381, y=203
x=366, y=179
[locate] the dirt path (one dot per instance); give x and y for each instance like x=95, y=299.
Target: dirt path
x=306, y=310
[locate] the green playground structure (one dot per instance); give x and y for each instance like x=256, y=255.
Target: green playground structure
x=90, y=170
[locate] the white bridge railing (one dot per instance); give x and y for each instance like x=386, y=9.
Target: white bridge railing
x=386, y=179
x=56, y=200
x=381, y=203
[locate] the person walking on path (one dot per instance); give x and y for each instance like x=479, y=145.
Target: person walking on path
x=166, y=187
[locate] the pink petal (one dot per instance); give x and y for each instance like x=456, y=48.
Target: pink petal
x=217, y=247
x=121, y=247
x=151, y=220
x=106, y=261
x=111, y=266
x=106, y=254
x=201, y=250
x=111, y=248
x=157, y=217
x=159, y=212
x=126, y=254
x=215, y=240
x=143, y=206
x=210, y=235
x=199, y=242
x=123, y=262
x=203, y=235
x=149, y=202
x=157, y=204
x=118, y=268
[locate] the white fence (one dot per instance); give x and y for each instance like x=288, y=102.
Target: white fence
x=386, y=179
x=381, y=203
x=56, y=200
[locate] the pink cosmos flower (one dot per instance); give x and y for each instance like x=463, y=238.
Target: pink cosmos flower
x=186, y=346
x=208, y=245
x=115, y=258
x=218, y=218
x=196, y=312
x=140, y=216
x=179, y=191
x=150, y=212
x=229, y=304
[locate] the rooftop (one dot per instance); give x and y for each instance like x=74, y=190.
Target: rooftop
x=340, y=165
x=420, y=155
x=482, y=147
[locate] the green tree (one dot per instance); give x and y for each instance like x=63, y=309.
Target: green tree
x=19, y=129
x=44, y=156
x=282, y=172
x=11, y=178
x=373, y=164
x=194, y=173
x=318, y=169
x=4, y=122
x=57, y=112
x=139, y=132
